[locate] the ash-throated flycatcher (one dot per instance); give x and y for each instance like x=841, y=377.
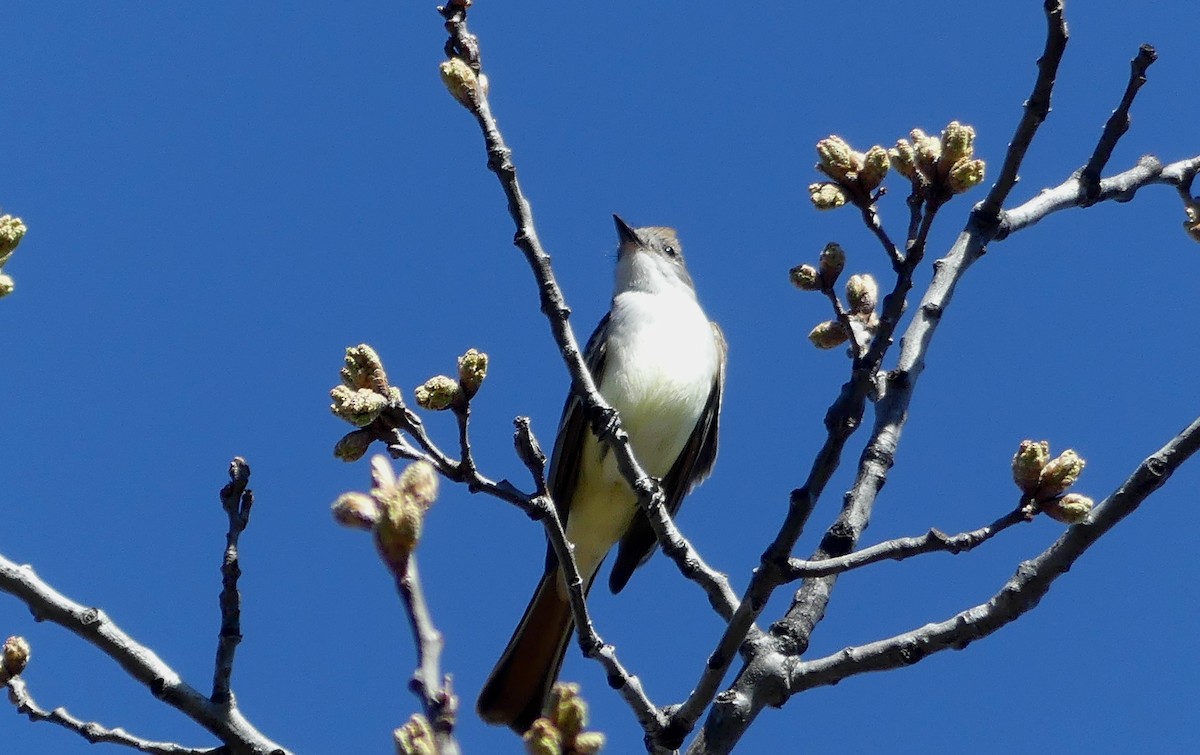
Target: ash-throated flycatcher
x=658, y=360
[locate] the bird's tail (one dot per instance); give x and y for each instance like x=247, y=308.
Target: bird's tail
x=518, y=686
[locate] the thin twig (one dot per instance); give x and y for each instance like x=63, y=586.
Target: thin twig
x=903, y=548
x=140, y=662
x=435, y=692
x=1117, y=125
x=1037, y=107
x=18, y=694
x=236, y=499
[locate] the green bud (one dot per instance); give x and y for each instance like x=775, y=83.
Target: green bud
x=875, y=167
x=965, y=175
x=837, y=159
x=438, y=393
x=543, y=739
x=364, y=369
x=358, y=407
x=357, y=511
x=1059, y=475
x=862, y=292
x=958, y=143
x=805, y=278
x=826, y=196
x=353, y=445
x=904, y=159
x=1191, y=226
x=832, y=261
x=14, y=657
x=415, y=737
x=12, y=230
x=1028, y=463
x=472, y=369
x=461, y=81
x=1071, y=508
x=828, y=335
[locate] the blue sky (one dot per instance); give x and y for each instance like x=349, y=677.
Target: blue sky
x=222, y=198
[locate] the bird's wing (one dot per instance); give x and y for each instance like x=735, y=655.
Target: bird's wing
x=695, y=462
x=572, y=432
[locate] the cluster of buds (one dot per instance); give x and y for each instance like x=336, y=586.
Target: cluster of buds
x=14, y=657
x=1044, y=482
x=443, y=392
x=363, y=395
x=862, y=297
x=946, y=163
x=854, y=176
x=394, y=509
x=560, y=731
x=12, y=230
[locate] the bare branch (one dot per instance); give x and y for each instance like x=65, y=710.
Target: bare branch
x=18, y=694
x=1117, y=125
x=236, y=499
x=436, y=694
x=1019, y=595
x=225, y=721
x=1037, y=107
x=903, y=548
x=1119, y=188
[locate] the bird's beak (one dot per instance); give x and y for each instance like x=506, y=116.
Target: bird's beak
x=625, y=233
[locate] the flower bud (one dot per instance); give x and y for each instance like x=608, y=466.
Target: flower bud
x=904, y=159
x=1028, y=462
x=419, y=483
x=543, y=739
x=1191, y=225
x=826, y=196
x=461, y=81
x=1059, y=475
x=1071, y=508
x=357, y=511
x=353, y=445
x=472, y=369
x=805, y=278
x=358, y=407
x=862, y=292
x=14, y=657
x=438, y=393
x=928, y=151
x=588, y=743
x=415, y=737
x=12, y=230
x=6, y=285
x=832, y=261
x=567, y=710
x=828, y=334
x=837, y=159
x=364, y=369
x=958, y=143
x=965, y=175
x=875, y=167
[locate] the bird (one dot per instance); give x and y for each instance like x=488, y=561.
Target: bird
x=660, y=362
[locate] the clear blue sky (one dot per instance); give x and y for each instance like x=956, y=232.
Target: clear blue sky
x=222, y=196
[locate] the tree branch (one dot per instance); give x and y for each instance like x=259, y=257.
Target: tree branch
x=1019, y=595
x=1117, y=125
x=236, y=499
x=18, y=694
x=903, y=548
x=1037, y=107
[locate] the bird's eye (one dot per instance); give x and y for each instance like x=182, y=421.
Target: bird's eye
x=670, y=251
